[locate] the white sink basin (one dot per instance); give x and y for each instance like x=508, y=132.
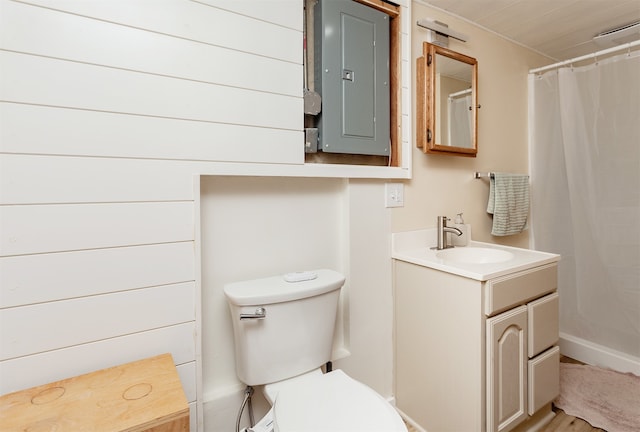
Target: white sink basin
x=475, y=255
x=480, y=261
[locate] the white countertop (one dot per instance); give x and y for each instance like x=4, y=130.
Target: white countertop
x=415, y=247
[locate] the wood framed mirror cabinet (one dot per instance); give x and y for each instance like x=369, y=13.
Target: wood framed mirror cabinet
x=446, y=102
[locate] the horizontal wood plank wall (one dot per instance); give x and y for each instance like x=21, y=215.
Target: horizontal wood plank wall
x=140, y=137
x=36, y=80
x=108, y=110
x=104, y=270
x=46, y=326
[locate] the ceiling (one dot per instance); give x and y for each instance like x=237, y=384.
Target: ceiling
x=559, y=29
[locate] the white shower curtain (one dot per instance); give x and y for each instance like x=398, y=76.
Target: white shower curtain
x=585, y=176
x=460, y=120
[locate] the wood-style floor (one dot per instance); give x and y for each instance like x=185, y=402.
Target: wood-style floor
x=562, y=422
x=566, y=423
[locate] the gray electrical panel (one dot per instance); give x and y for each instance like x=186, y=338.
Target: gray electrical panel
x=351, y=69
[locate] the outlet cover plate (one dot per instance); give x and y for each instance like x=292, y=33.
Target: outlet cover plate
x=394, y=195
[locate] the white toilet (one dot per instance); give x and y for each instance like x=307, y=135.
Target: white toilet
x=283, y=328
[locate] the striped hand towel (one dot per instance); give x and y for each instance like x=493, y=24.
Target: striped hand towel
x=508, y=203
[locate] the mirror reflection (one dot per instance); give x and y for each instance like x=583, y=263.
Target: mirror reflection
x=447, y=108
x=453, y=102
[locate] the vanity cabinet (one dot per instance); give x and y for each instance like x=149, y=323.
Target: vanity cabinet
x=476, y=355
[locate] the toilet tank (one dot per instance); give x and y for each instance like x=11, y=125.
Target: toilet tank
x=296, y=334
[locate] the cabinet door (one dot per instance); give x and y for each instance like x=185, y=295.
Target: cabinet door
x=507, y=370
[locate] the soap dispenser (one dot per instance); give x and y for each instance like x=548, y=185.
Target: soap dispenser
x=463, y=239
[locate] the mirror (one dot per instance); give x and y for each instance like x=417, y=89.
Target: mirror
x=447, y=108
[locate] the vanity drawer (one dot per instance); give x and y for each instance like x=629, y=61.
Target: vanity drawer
x=518, y=288
x=544, y=379
x=543, y=322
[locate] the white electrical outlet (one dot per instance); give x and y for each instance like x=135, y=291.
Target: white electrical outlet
x=394, y=195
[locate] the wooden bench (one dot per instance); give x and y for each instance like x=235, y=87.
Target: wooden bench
x=145, y=395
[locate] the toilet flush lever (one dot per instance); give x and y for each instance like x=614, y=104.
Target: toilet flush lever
x=260, y=313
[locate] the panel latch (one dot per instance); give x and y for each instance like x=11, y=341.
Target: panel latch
x=347, y=75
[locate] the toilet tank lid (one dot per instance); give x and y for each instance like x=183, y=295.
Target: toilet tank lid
x=276, y=289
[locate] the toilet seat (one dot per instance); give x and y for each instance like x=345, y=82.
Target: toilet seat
x=334, y=402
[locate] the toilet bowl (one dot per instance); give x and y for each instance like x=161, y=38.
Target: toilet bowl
x=283, y=329
x=334, y=402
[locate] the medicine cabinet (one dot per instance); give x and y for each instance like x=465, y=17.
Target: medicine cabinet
x=447, y=102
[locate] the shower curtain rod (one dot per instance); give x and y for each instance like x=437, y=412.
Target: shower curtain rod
x=460, y=93
x=603, y=52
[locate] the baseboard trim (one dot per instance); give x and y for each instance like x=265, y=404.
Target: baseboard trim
x=598, y=355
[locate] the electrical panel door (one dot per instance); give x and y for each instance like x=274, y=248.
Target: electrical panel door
x=351, y=69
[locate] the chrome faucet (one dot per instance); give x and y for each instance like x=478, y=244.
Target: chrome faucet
x=443, y=229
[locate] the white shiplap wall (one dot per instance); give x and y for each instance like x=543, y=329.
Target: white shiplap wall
x=107, y=111
x=108, y=108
